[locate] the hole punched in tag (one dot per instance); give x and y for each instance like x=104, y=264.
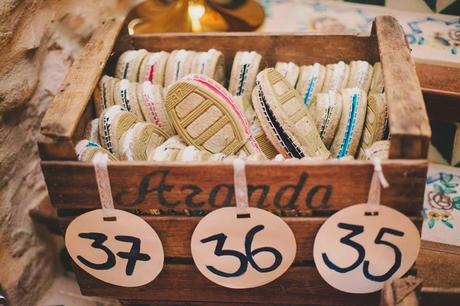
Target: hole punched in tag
x=378, y=181
x=100, y=161
x=241, y=189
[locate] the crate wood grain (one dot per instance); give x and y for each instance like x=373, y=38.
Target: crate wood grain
x=303, y=186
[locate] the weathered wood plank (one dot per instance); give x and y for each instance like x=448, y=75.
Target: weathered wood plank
x=300, y=285
x=289, y=186
x=408, y=120
x=64, y=113
x=176, y=232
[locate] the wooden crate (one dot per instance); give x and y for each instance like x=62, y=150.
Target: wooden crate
x=310, y=190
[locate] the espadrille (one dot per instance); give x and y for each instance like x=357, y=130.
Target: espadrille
x=86, y=150
x=92, y=131
x=103, y=96
x=191, y=153
x=336, y=77
x=153, y=68
x=311, y=79
x=167, y=151
x=377, y=85
x=129, y=63
x=113, y=123
x=210, y=64
x=126, y=97
x=257, y=157
x=379, y=149
x=328, y=112
x=179, y=65
x=284, y=118
x=289, y=70
x=375, y=123
x=204, y=115
x=245, y=67
x=140, y=138
x=152, y=105
x=360, y=75
x=348, y=135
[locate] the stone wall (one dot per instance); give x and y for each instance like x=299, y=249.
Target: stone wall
x=38, y=41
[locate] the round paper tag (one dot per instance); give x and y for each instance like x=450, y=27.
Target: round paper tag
x=356, y=253
x=242, y=251
x=126, y=252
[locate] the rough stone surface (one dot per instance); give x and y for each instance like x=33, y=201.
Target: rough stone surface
x=39, y=40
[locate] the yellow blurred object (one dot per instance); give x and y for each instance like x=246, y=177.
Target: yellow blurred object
x=155, y=16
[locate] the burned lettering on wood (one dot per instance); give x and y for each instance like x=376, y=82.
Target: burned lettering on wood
x=193, y=196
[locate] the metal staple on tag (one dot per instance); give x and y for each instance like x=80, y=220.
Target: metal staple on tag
x=103, y=186
x=241, y=188
x=378, y=180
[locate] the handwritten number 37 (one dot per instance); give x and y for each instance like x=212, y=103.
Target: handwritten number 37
x=244, y=259
x=356, y=230
x=132, y=256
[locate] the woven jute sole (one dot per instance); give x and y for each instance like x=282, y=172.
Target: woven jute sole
x=360, y=75
x=204, y=115
x=103, y=94
x=289, y=70
x=348, y=135
x=152, y=105
x=210, y=64
x=245, y=67
x=379, y=149
x=285, y=120
x=179, y=64
x=153, y=68
x=375, y=123
x=129, y=63
x=311, y=80
x=166, y=151
x=336, y=77
x=89, y=153
x=139, y=137
x=377, y=85
x=113, y=123
x=328, y=113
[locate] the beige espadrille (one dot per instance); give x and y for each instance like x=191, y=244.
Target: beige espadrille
x=379, y=149
x=129, y=63
x=245, y=67
x=167, y=151
x=210, y=64
x=86, y=150
x=377, y=85
x=139, y=138
x=311, y=80
x=153, y=68
x=327, y=114
x=125, y=94
x=284, y=118
x=360, y=75
x=103, y=96
x=113, y=123
x=179, y=65
x=375, y=124
x=348, y=135
x=336, y=77
x=204, y=115
x=152, y=104
x=289, y=70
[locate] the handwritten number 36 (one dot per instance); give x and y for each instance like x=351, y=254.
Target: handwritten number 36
x=356, y=230
x=246, y=258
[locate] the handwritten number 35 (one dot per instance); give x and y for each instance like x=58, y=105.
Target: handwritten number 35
x=246, y=258
x=356, y=230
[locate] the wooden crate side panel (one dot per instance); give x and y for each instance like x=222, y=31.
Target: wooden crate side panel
x=182, y=283
x=283, y=186
x=408, y=120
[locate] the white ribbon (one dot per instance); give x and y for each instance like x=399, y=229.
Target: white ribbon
x=241, y=187
x=378, y=180
x=103, y=185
